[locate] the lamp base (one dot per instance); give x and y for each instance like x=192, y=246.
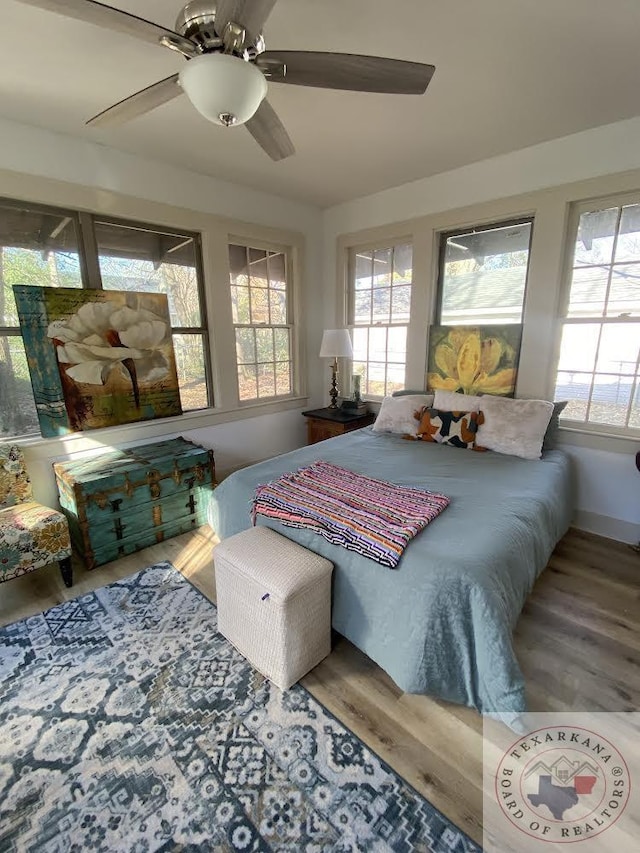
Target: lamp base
x=333, y=393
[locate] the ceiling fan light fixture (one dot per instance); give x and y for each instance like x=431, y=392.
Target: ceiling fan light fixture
x=225, y=89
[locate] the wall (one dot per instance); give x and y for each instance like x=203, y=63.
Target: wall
x=601, y=151
x=542, y=180
x=35, y=151
x=608, y=486
x=40, y=165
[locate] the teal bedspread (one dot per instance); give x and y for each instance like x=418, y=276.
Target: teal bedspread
x=440, y=623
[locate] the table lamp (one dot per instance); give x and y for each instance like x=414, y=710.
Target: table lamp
x=336, y=344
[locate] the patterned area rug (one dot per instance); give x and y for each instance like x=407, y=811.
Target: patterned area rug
x=127, y=723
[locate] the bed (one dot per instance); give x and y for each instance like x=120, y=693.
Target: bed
x=440, y=623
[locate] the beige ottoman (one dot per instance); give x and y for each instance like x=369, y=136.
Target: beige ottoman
x=274, y=603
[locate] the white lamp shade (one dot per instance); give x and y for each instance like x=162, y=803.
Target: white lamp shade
x=218, y=84
x=336, y=343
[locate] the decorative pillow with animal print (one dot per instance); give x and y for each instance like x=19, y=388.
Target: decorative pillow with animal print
x=457, y=429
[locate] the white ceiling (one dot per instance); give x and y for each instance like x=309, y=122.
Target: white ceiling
x=509, y=73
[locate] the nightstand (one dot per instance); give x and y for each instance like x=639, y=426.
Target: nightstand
x=326, y=423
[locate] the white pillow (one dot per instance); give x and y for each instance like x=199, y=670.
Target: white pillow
x=396, y=413
x=514, y=427
x=451, y=401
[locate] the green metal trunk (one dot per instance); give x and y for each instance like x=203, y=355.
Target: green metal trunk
x=129, y=498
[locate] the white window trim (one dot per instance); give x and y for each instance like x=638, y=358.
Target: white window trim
x=577, y=208
x=293, y=315
x=350, y=312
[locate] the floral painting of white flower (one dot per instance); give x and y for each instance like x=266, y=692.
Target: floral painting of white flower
x=98, y=338
x=112, y=351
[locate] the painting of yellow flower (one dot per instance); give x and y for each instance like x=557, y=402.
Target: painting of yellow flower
x=474, y=359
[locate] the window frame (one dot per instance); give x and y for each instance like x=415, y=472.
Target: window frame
x=389, y=242
x=203, y=328
x=288, y=253
x=576, y=209
x=15, y=331
x=90, y=274
x=75, y=216
x=443, y=236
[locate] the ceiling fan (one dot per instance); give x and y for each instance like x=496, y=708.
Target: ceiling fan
x=228, y=66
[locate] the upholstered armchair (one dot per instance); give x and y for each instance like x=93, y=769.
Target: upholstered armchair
x=31, y=534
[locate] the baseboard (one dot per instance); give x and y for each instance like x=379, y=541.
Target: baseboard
x=604, y=525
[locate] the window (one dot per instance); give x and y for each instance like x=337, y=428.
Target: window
x=600, y=340
x=142, y=258
x=63, y=248
x=37, y=246
x=261, y=308
x=379, y=311
x=483, y=274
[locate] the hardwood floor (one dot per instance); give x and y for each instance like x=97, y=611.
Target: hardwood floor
x=578, y=642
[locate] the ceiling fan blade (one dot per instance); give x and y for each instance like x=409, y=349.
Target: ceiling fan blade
x=113, y=19
x=250, y=14
x=346, y=71
x=136, y=105
x=269, y=132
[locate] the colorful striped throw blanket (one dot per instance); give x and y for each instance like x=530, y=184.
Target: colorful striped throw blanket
x=374, y=518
